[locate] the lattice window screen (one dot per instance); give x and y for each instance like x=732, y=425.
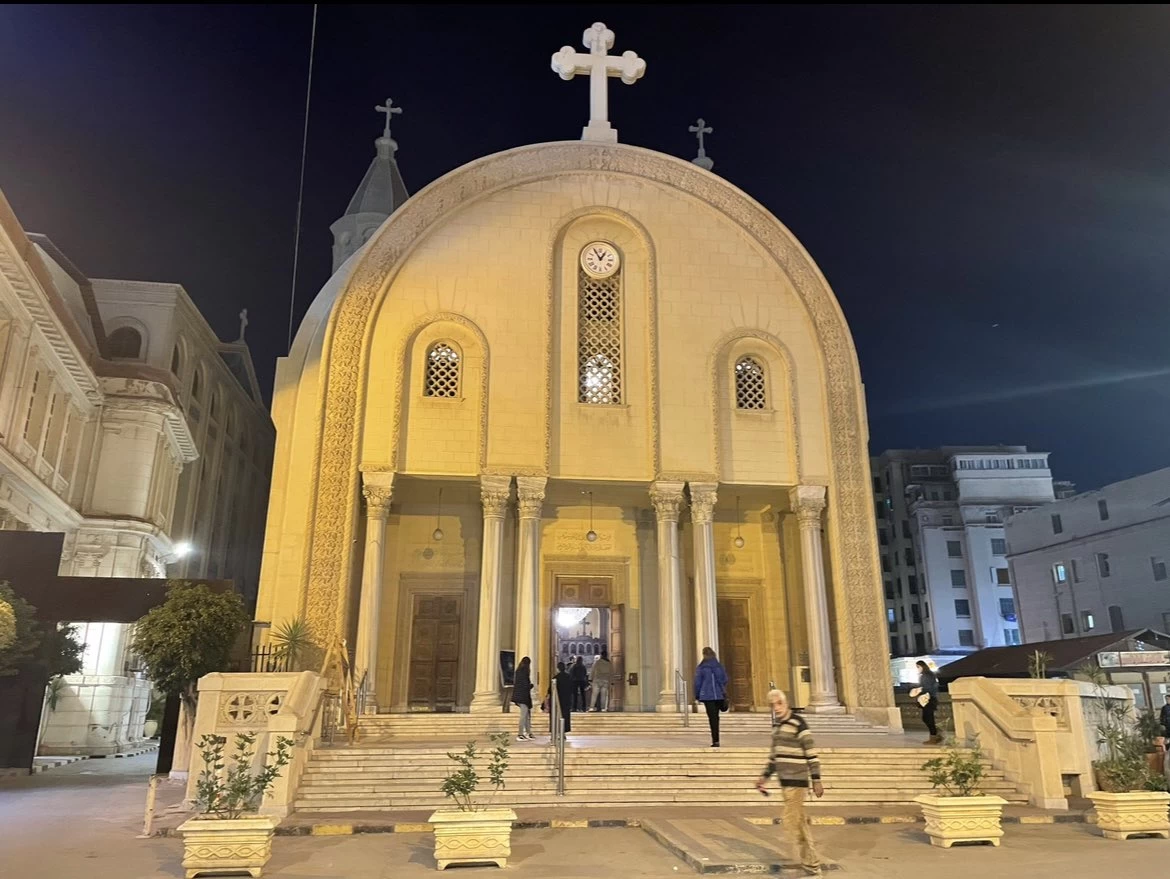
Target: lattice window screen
x=749, y=384
x=599, y=338
x=442, y=371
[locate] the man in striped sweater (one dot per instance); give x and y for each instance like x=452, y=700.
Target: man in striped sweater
x=793, y=760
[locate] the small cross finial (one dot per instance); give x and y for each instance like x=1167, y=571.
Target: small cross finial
x=567, y=63
x=390, y=110
x=243, y=324
x=698, y=130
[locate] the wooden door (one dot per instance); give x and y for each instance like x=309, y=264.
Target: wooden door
x=617, y=656
x=735, y=648
x=434, y=653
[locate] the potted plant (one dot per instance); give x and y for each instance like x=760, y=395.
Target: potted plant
x=1132, y=800
x=959, y=811
x=473, y=832
x=228, y=835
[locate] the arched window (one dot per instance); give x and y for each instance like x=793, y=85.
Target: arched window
x=599, y=338
x=442, y=378
x=125, y=343
x=176, y=361
x=197, y=385
x=750, y=392
x=214, y=404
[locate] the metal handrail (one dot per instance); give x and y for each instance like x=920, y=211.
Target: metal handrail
x=680, y=697
x=558, y=736
x=363, y=691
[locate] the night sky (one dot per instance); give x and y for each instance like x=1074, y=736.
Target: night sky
x=987, y=189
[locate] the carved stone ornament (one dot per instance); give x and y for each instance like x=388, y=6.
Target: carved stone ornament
x=703, y=499
x=808, y=503
x=667, y=498
x=530, y=496
x=494, y=493
x=345, y=358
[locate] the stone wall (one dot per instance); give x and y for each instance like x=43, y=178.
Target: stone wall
x=96, y=715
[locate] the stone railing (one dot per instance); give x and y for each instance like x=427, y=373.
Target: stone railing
x=267, y=704
x=1040, y=732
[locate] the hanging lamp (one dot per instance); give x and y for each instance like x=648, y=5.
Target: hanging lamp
x=739, y=541
x=437, y=534
x=591, y=535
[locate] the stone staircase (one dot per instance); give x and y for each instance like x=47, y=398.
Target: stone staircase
x=635, y=761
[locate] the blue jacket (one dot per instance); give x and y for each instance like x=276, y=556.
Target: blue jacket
x=710, y=681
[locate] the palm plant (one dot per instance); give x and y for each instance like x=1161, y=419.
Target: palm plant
x=293, y=642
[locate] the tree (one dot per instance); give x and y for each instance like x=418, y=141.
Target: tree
x=19, y=628
x=189, y=635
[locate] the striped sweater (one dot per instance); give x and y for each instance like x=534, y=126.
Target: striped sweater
x=793, y=759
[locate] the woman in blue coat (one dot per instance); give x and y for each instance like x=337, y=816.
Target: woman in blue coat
x=711, y=690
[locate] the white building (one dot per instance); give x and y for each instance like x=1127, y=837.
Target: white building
x=127, y=425
x=941, y=515
x=1095, y=562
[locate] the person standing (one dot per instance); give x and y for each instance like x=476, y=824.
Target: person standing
x=601, y=673
x=579, y=675
x=793, y=760
x=563, y=688
x=522, y=696
x=711, y=690
x=928, y=688
x=1164, y=716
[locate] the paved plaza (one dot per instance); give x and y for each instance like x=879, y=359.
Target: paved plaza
x=81, y=822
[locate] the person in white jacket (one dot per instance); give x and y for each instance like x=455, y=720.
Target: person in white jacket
x=600, y=676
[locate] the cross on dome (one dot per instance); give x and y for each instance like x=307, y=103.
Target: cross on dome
x=390, y=110
x=600, y=66
x=243, y=324
x=699, y=129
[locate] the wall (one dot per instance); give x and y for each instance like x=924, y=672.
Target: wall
x=96, y=715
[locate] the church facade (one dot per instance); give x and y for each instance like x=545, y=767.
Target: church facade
x=571, y=397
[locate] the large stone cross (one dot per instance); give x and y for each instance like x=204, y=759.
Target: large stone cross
x=600, y=66
x=391, y=111
x=699, y=129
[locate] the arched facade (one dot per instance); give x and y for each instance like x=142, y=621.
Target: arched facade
x=488, y=260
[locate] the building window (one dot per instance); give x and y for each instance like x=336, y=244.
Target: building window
x=919, y=643
x=1067, y=625
x=197, y=385
x=893, y=645
x=925, y=610
x=176, y=361
x=889, y=590
x=1003, y=577
x=962, y=607
x=958, y=578
x=1159, y=567
x=915, y=613
x=1086, y=621
x=954, y=549
x=1007, y=607
x=886, y=563
x=1057, y=525
x=749, y=384
x=1103, y=564
x=929, y=641
x=1011, y=636
x=902, y=613
x=899, y=587
x=1103, y=510
x=998, y=546
x=1059, y=573
x=599, y=338
x=883, y=538
x=947, y=520
x=125, y=343
x=906, y=528
x=1116, y=620
x=912, y=583
x=891, y=616
x=877, y=485
x=442, y=379
x=878, y=509
x=992, y=518
x=32, y=399
x=1076, y=571
x=909, y=556
x=966, y=638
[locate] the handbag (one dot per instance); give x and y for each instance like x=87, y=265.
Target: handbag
x=923, y=699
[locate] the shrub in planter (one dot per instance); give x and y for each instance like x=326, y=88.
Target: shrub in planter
x=474, y=832
x=959, y=811
x=227, y=835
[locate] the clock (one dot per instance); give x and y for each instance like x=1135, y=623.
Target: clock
x=600, y=259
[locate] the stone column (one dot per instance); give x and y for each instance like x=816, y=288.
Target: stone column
x=808, y=503
x=530, y=501
x=667, y=498
x=377, y=489
x=703, y=533
x=494, y=493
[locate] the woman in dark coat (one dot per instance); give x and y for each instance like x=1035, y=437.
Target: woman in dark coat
x=522, y=696
x=564, y=688
x=711, y=690
x=928, y=686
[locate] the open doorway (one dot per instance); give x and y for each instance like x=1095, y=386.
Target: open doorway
x=582, y=634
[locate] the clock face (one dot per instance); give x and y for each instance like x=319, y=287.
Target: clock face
x=600, y=259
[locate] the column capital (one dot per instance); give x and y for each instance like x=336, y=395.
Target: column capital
x=378, y=490
x=494, y=493
x=808, y=502
x=703, y=497
x=530, y=496
x=667, y=498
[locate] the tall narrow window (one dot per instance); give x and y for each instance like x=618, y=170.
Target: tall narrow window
x=442, y=371
x=125, y=343
x=749, y=384
x=599, y=338
x=32, y=399
x=1103, y=510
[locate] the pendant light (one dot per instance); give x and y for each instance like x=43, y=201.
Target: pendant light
x=437, y=534
x=591, y=535
x=738, y=534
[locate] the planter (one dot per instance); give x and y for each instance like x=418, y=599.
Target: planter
x=149, y=729
x=227, y=845
x=483, y=837
x=962, y=819
x=1135, y=813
